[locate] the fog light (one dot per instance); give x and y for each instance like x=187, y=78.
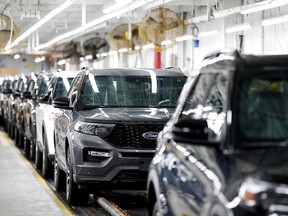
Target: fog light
x=92, y=155
x=99, y=154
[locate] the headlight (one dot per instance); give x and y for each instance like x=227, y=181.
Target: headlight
x=254, y=192
x=250, y=189
x=102, y=130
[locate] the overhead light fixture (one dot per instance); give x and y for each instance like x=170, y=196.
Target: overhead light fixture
x=184, y=38
x=264, y=5
x=115, y=5
x=166, y=42
x=40, y=23
x=104, y=54
x=39, y=59
x=68, y=36
x=137, y=47
x=133, y=5
x=17, y=56
x=122, y=50
x=61, y=62
x=275, y=20
x=112, y=52
x=88, y=57
x=226, y=12
x=98, y=55
x=155, y=3
x=82, y=58
x=236, y=28
x=148, y=46
x=208, y=33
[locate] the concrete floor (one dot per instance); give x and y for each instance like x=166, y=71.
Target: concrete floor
x=22, y=190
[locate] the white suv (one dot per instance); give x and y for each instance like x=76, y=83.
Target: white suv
x=45, y=115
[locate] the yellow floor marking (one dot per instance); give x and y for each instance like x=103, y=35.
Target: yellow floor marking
x=9, y=142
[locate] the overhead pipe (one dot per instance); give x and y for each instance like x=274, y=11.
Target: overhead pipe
x=208, y=11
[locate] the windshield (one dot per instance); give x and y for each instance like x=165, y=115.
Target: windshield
x=263, y=111
x=62, y=87
x=130, y=91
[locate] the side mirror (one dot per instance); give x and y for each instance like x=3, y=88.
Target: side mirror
x=26, y=95
x=16, y=93
x=8, y=91
x=191, y=131
x=44, y=99
x=61, y=103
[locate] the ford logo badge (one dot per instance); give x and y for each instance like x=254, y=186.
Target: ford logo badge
x=150, y=135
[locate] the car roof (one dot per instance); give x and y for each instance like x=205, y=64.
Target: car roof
x=68, y=74
x=265, y=60
x=136, y=72
x=230, y=60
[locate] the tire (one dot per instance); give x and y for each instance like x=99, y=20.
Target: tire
x=38, y=157
x=26, y=147
x=59, y=177
x=46, y=163
x=73, y=195
x=12, y=131
x=17, y=140
x=32, y=150
x=155, y=211
x=21, y=139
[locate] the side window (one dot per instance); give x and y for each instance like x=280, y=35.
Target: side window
x=42, y=88
x=207, y=100
x=48, y=92
x=31, y=86
x=72, y=94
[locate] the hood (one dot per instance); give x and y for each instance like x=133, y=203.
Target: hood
x=159, y=115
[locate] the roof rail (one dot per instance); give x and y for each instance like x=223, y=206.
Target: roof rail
x=174, y=69
x=228, y=52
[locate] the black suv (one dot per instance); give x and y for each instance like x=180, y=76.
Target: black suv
x=225, y=150
x=106, y=133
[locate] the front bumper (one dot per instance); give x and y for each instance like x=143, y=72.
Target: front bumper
x=117, y=167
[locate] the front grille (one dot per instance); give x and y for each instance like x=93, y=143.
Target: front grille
x=130, y=136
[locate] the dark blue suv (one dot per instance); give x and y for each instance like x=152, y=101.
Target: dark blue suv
x=225, y=150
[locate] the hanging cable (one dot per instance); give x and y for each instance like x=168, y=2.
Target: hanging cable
x=6, y=6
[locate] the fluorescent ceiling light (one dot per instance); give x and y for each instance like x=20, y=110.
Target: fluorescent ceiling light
x=122, y=50
x=82, y=58
x=40, y=23
x=88, y=57
x=183, y=38
x=226, y=12
x=275, y=20
x=98, y=55
x=68, y=36
x=264, y=5
x=236, y=28
x=166, y=42
x=104, y=54
x=61, y=62
x=208, y=33
x=155, y=3
x=17, y=56
x=137, y=47
x=113, y=6
x=112, y=52
x=133, y=5
x=148, y=46
x=39, y=59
